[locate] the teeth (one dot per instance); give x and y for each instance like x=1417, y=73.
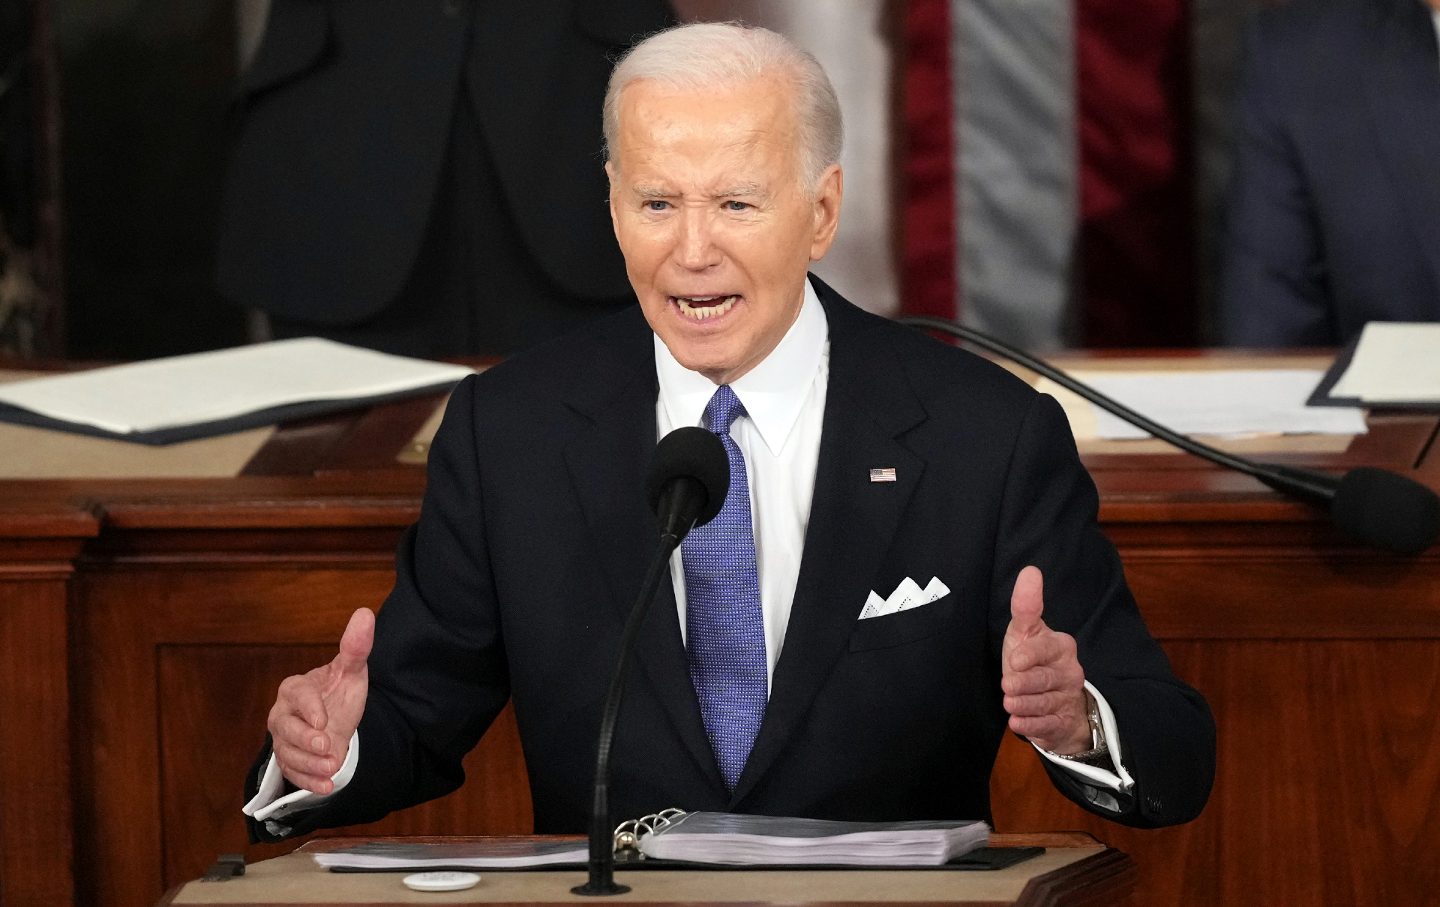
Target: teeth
x=703, y=307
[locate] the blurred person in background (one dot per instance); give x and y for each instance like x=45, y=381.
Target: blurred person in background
x=427, y=178
x=20, y=296
x=1334, y=210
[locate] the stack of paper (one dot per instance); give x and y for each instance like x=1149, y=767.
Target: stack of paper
x=727, y=838
x=481, y=853
x=1228, y=403
x=1215, y=403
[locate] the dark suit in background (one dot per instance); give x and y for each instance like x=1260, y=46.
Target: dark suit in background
x=427, y=177
x=535, y=537
x=1334, y=214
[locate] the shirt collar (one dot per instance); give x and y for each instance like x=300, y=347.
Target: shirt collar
x=773, y=392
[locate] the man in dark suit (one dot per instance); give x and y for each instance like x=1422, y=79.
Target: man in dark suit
x=425, y=178
x=778, y=673
x=1334, y=213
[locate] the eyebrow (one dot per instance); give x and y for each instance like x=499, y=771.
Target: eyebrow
x=742, y=190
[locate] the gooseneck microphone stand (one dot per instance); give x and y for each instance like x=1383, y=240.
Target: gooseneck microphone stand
x=602, y=852
x=687, y=483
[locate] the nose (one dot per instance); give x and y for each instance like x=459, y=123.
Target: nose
x=696, y=250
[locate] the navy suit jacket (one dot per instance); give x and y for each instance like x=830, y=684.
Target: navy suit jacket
x=535, y=535
x=1334, y=214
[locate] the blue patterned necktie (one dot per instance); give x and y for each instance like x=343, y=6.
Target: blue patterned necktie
x=724, y=629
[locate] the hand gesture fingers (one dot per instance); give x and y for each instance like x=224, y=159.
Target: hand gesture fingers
x=1040, y=673
x=1044, y=662
x=1027, y=605
x=316, y=713
x=299, y=761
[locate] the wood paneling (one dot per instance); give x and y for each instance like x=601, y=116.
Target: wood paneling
x=180, y=662
x=35, y=819
x=1272, y=594
x=210, y=731
x=1326, y=790
x=39, y=541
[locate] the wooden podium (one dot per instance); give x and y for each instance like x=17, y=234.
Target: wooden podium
x=1074, y=869
x=146, y=623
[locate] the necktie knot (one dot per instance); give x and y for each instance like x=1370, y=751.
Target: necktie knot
x=722, y=410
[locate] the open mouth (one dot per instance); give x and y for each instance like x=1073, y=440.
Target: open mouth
x=701, y=308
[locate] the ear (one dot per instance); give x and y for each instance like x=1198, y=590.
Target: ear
x=614, y=187
x=829, y=192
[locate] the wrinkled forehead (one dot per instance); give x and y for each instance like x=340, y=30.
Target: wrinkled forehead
x=656, y=118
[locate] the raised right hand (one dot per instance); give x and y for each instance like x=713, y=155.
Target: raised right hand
x=315, y=714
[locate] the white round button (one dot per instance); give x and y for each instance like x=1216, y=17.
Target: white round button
x=441, y=881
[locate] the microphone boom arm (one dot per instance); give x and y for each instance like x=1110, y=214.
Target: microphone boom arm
x=1378, y=506
x=1114, y=407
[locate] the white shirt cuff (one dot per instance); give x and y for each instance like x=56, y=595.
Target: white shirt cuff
x=267, y=805
x=1116, y=778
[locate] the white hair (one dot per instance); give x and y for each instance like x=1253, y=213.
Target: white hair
x=705, y=55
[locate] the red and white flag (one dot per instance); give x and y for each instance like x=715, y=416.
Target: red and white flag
x=1049, y=169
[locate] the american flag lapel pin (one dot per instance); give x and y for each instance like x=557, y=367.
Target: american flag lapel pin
x=883, y=474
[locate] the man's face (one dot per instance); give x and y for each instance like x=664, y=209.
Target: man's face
x=709, y=208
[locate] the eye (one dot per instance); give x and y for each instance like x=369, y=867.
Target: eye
x=656, y=204
x=733, y=205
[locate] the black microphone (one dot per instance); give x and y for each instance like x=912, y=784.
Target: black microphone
x=1381, y=508
x=688, y=479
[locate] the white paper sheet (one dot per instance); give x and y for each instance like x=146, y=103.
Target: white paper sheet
x=207, y=387
x=1221, y=403
x=1394, y=362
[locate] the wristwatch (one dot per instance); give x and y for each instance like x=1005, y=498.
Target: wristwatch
x=1098, y=755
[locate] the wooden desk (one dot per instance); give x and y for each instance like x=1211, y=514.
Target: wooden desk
x=1074, y=869
x=145, y=625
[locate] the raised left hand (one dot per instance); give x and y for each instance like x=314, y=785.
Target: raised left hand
x=1040, y=674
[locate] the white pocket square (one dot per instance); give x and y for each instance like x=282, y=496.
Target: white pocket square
x=906, y=595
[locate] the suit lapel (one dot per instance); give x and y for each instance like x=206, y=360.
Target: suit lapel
x=852, y=524
x=607, y=459
x=1402, y=86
